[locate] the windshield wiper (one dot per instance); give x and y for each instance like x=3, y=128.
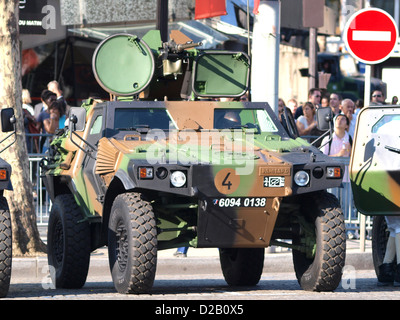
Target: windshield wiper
x=141, y=128
x=238, y=126
x=392, y=149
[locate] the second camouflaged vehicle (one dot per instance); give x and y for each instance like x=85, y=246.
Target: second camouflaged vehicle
x=141, y=175
x=375, y=171
x=7, y=124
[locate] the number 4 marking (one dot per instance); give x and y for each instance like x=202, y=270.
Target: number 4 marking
x=227, y=183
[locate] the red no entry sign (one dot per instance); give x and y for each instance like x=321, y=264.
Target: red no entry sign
x=370, y=35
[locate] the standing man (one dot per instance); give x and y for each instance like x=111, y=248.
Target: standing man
x=47, y=97
x=347, y=108
x=314, y=96
x=334, y=103
x=53, y=86
x=377, y=98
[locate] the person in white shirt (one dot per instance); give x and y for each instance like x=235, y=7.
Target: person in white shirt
x=305, y=123
x=340, y=145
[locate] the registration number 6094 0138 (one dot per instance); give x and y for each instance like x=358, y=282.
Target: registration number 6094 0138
x=240, y=202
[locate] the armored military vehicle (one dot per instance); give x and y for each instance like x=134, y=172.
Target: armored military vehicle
x=374, y=171
x=164, y=165
x=7, y=125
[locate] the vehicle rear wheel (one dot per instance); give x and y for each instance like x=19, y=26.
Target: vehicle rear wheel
x=380, y=236
x=68, y=243
x=319, y=264
x=242, y=266
x=5, y=247
x=132, y=244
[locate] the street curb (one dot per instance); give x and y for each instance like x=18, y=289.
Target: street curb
x=37, y=268
x=360, y=260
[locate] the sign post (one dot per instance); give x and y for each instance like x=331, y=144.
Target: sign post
x=370, y=36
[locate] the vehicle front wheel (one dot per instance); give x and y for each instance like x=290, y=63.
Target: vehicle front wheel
x=68, y=240
x=320, y=248
x=132, y=244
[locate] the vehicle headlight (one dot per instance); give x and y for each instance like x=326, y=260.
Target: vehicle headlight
x=178, y=179
x=302, y=178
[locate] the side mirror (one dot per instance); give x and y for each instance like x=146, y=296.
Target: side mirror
x=7, y=119
x=289, y=123
x=324, y=118
x=77, y=118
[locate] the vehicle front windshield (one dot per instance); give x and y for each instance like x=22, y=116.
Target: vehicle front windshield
x=257, y=120
x=126, y=119
x=387, y=124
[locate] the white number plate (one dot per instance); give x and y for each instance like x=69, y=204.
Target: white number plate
x=239, y=202
x=274, y=182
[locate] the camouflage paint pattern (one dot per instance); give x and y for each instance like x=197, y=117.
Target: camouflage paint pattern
x=374, y=168
x=225, y=202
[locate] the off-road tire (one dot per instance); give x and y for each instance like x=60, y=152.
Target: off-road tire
x=132, y=244
x=323, y=272
x=68, y=241
x=242, y=266
x=380, y=236
x=5, y=247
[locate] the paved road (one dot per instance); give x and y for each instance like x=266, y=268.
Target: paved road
x=199, y=278
x=283, y=286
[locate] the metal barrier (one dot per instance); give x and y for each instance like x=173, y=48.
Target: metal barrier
x=40, y=196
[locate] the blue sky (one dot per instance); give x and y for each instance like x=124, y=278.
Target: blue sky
x=230, y=17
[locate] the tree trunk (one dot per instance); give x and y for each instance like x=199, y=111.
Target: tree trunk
x=26, y=239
